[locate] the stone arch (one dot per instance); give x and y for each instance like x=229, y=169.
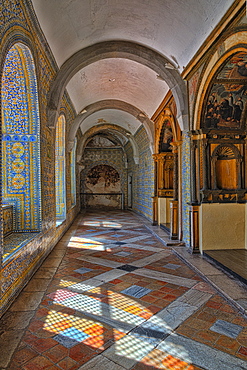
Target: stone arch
x=119, y=49
x=111, y=104
x=115, y=129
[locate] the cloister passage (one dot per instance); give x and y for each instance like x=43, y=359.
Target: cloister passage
x=123, y=225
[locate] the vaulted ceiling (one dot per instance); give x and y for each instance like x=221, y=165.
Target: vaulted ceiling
x=174, y=29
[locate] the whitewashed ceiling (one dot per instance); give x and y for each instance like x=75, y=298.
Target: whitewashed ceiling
x=112, y=116
x=174, y=28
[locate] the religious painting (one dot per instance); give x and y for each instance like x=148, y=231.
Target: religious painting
x=226, y=101
x=166, y=137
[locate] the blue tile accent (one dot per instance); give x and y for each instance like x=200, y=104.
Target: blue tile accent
x=82, y=270
x=226, y=328
x=136, y=291
x=171, y=266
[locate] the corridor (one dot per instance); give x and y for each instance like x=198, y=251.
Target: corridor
x=112, y=296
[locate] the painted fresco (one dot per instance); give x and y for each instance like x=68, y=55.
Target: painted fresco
x=103, y=179
x=228, y=95
x=100, y=141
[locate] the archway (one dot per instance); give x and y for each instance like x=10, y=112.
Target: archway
x=111, y=104
x=119, y=49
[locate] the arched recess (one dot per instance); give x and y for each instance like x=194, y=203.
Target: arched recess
x=123, y=134
x=21, y=138
x=60, y=175
x=119, y=49
x=226, y=167
x=111, y=104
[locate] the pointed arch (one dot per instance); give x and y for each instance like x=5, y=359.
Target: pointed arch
x=119, y=49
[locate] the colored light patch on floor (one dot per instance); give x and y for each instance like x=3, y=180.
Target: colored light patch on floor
x=75, y=334
x=70, y=330
x=66, y=283
x=91, y=223
x=160, y=360
x=123, y=303
x=111, y=224
x=83, y=243
x=61, y=294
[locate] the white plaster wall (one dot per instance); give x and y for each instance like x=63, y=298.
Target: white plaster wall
x=222, y=226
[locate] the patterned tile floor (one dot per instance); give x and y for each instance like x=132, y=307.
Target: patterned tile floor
x=111, y=296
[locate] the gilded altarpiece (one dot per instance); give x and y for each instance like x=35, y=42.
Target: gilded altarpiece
x=165, y=200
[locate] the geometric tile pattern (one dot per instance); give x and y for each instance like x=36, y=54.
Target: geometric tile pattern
x=21, y=147
x=97, y=311
x=60, y=169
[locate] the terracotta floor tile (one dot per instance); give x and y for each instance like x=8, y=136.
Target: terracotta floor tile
x=56, y=353
x=228, y=343
x=213, y=304
x=67, y=363
x=207, y=335
x=24, y=355
x=154, y=309
x=78, y=352
x=38, y=363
